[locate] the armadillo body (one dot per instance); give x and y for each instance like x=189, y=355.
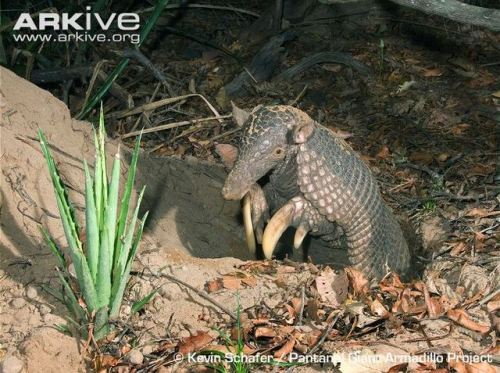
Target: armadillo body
x=341, y=187
x=318, y=185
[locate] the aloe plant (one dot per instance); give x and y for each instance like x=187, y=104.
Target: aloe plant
x=102, y=258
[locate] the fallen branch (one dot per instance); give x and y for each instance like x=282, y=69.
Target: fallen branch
x=174, y=125
x=155, y=105
x=322, y=57
x=137, y=55
x=325, y=334
x=206, y=6
x=456, y=11
x=201, y=293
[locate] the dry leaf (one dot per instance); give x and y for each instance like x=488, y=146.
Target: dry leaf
x=313, y=337
x=125, y=349
x=297, y=305
x=434, y=307
x=357, y=280
x=493, y=305
x=285, y=269
x=285, y=349
x=461, y=367
x=458, y=248
x=458, y=365
x=194, y=342
x=249, y=281
x=398, y=368
x=482, y=367
x=264, y=331
x=231, y=282
x=229, y=349
x=462, y=318
x=422, y=157
x=442, y=157
x=379, y=309
x=481, y=213
x=291, y=314
x=332, y=287
x=432, y=73
x=459, y=129
x=384, y=153
x=479, y=240
x=313, y=309
x=261, y=321
x=493, y=350
x=108, y=361
x=213, y=285
x=481, y=170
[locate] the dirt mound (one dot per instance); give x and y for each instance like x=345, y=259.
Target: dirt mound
x=186, y=219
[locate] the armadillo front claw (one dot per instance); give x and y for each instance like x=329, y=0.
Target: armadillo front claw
x=255, y=214
x=247, y=222
x=299, y=213
x=275, y=228
x=300, y=234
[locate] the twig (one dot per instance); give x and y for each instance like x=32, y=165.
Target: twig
x=60, y=74
x=322, y=57
x=433, y=174
x=206, y=6
x=207, y=42
x=426, y=337
x=299, y=96
x=146, y=113
x=155, y=105
x=137, y=55
x=201, y=293
x=489, y=296
x=174, y=125
x=302, y=304
x=230, y=132
x=325, y=334
x=459, y=198
x=397, y=20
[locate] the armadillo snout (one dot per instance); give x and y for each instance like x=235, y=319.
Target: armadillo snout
x=234, y=188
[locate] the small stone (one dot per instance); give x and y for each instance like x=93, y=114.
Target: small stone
x=44, y=309
x=171, y=292
x=147, y=350
x=126, y=309
x=18, y=303
x=135, y=357
x=11, y=364
x=31, y=293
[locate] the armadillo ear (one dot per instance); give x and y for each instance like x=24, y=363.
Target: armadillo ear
x=302, y=131
x=240, y=116
x=228, y=154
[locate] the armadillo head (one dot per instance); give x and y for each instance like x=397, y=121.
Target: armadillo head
x=268, y=135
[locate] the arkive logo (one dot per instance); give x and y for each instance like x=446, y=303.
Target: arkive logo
x=77, y=21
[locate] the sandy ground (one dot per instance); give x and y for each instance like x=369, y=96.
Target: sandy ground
x=182, y=240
